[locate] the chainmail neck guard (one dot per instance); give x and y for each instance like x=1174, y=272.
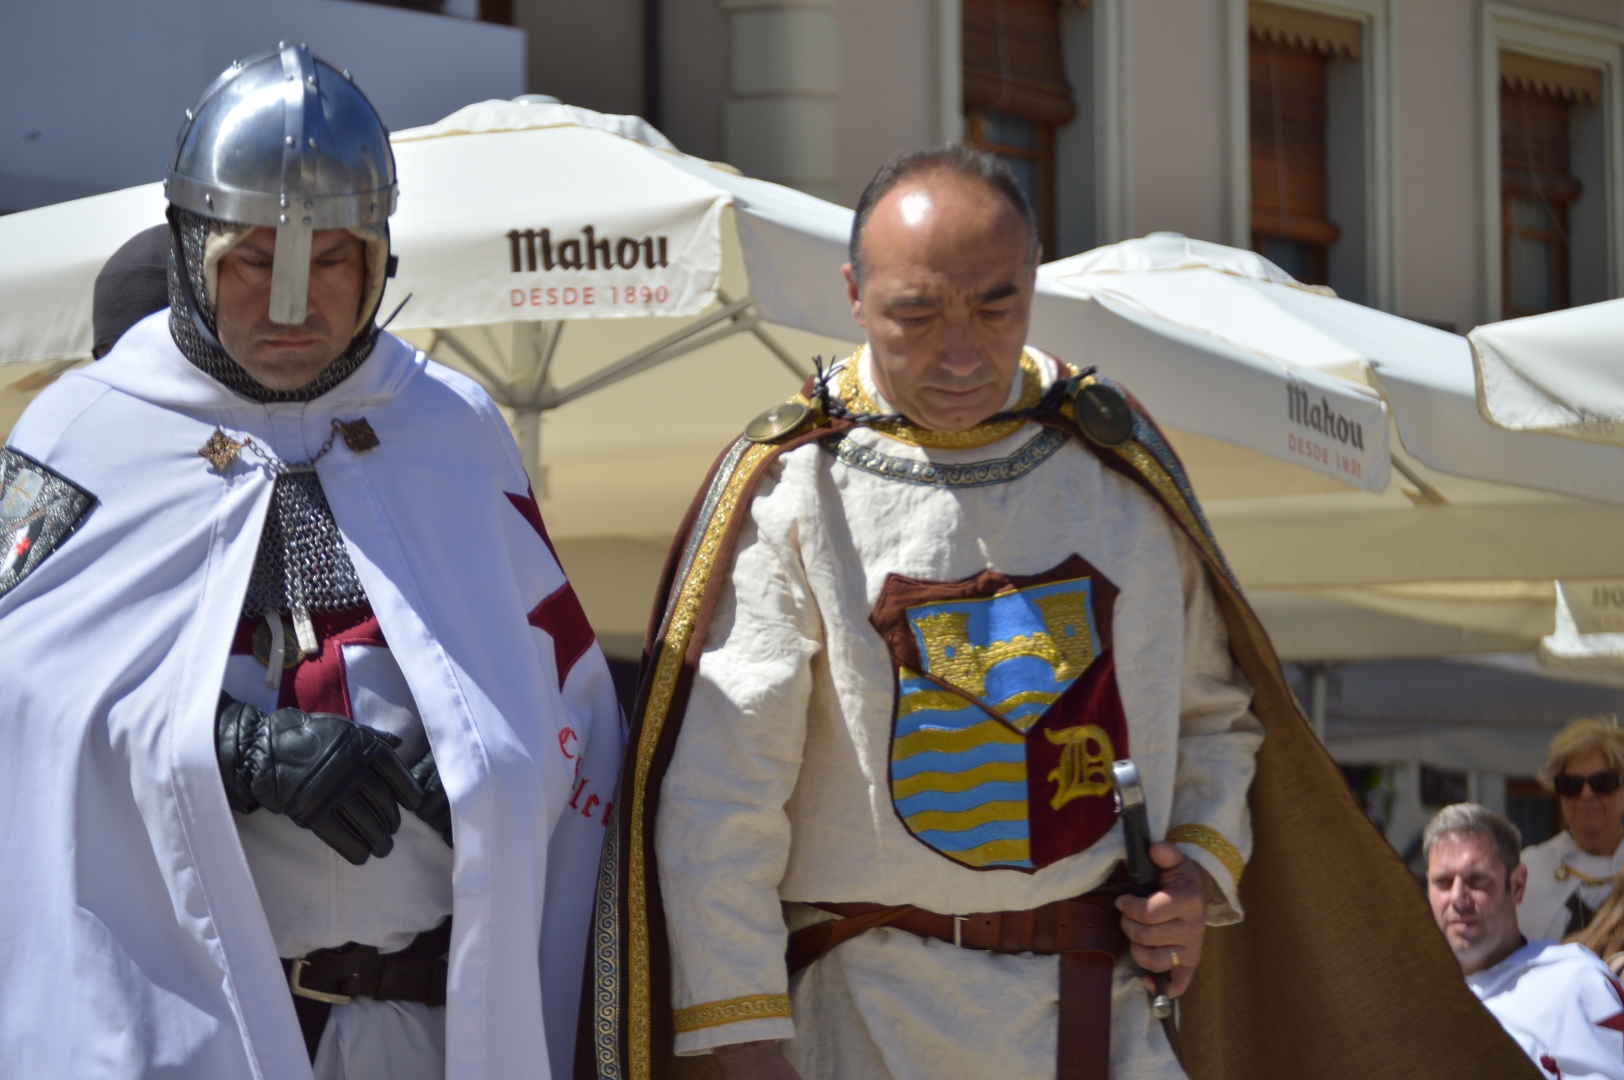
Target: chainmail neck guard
x=194, y=231
x=302, y=564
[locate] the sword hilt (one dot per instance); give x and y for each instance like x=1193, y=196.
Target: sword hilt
x=1142, y=873
x=1130, y=802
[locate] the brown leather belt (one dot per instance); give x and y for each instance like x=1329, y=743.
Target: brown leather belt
x=1086, y=932
x=328, y=977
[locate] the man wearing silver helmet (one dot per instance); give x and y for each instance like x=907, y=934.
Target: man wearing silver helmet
x=281, y=622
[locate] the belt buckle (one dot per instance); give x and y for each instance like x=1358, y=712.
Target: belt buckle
x=305, y=991
x=958, y=929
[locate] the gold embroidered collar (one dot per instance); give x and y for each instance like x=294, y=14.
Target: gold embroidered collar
x=858, y=400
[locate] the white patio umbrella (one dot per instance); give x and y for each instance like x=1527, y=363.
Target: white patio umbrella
x=1457, y=553
x=1561, y=373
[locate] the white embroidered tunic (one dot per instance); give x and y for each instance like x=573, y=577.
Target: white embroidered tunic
x=801, y=777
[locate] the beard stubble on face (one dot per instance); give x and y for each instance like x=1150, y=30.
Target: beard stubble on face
x=1481, y=926
x=288, y=357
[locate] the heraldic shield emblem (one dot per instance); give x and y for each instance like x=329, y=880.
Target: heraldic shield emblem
x=1007, y=713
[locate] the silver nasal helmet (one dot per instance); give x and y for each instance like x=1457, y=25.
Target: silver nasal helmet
x=286, y=141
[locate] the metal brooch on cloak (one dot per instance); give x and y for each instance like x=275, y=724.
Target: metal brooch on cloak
x=779, y=422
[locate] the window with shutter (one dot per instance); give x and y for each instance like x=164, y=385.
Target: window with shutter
x=1016, y=92
x=1537, y=185
x=1288, y=161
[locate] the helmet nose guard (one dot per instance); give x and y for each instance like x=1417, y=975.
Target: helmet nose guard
x=286, y=141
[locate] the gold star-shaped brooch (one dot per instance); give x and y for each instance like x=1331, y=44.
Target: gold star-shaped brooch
x=220, y=451
x=358, y=434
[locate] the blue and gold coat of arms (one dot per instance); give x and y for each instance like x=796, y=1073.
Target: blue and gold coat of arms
x=1007, y=713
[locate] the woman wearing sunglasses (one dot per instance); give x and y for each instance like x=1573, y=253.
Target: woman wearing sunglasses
x=1571, y=874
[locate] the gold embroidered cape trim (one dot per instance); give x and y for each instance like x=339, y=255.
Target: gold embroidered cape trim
x=858, y=400
x=1213, y=843
x=732, y=1011
x=678, y=629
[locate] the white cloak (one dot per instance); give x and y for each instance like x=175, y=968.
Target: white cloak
x=133, y=940
x=779, y=790
x=1562, y=1006
x=1543, y=913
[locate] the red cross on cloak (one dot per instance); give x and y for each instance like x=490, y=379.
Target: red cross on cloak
x=1616, y=1021
x=560, y=613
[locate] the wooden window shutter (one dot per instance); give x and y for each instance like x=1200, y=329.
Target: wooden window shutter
x=1536, y=184
x=1287, y=97
x=1012, y=61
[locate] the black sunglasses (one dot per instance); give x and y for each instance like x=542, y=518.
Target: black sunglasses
x=1602, y=783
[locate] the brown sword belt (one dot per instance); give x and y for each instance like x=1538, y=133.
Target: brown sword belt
x=1085, y=931
x=327, y=977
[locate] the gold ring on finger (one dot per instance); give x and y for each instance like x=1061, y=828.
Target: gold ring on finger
x=1174, y=954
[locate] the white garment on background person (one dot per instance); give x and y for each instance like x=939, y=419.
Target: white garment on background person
x=1562, y=1005
x=1544, y=913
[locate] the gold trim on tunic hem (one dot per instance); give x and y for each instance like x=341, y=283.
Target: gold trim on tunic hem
x=1213, y=842
x=732, y=1011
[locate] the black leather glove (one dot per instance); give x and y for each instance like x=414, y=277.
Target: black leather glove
x=340, y=780
x=435, y=808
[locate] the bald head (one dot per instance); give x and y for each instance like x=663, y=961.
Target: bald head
x=944, y=296
x=965, y=161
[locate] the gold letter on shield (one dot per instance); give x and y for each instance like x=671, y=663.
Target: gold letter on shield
x=1085, y=763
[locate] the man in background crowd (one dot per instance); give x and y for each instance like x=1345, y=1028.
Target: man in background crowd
x=1559, y=1002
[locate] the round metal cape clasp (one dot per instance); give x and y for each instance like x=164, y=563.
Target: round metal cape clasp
x=1103, y=414
x=778, y=422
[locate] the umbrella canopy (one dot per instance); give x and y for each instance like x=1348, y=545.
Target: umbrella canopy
x=1557, y=373
x=1423, y=532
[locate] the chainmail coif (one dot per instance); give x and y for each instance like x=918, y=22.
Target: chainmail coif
x=302, y=563
x=194, y=233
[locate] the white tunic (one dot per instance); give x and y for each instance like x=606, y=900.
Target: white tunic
x=1562, y=1006
x=314, y=898
x=1557, y=870
x=780, y=787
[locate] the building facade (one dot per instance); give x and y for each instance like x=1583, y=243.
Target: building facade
x=1453, y=161
x=92, y=91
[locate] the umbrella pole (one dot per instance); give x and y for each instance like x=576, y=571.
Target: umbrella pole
x=533, y=349
x=1316, y=699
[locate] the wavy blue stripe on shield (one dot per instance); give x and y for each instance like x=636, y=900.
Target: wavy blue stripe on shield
x=933, y=761
x=969, y=838
x=993, y=791
x=941, y=719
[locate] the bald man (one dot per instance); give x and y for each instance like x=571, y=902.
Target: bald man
x=943, y=603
